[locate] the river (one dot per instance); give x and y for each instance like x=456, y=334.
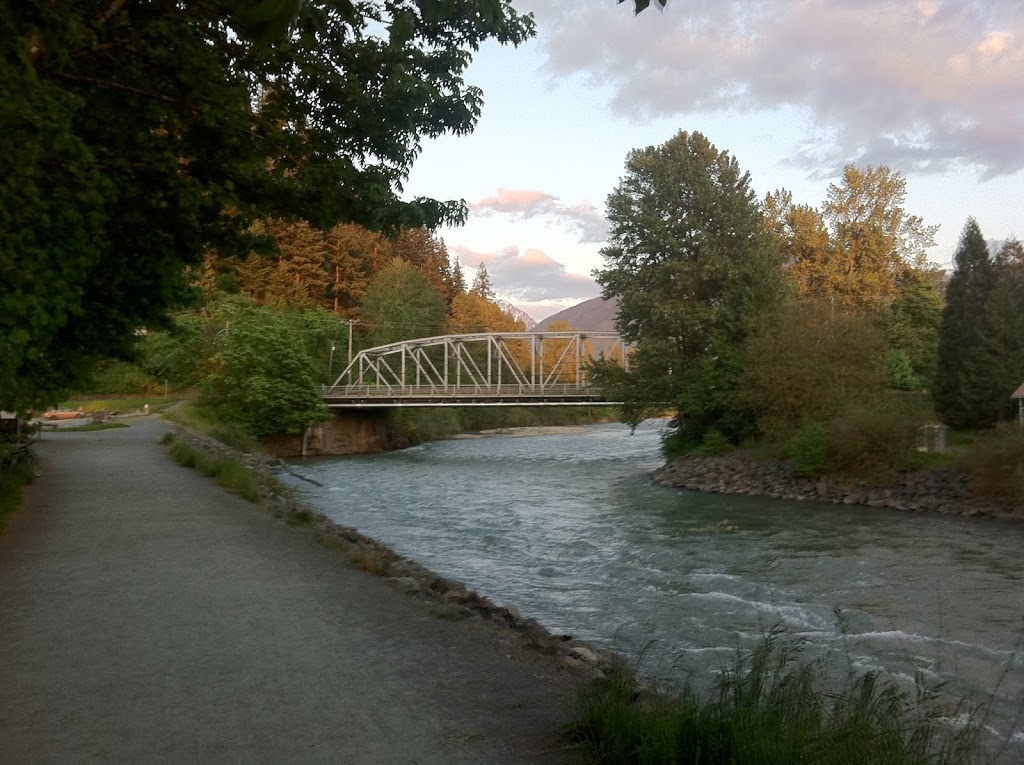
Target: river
x=567, y=526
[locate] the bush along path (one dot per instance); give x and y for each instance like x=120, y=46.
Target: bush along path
x=150, y=616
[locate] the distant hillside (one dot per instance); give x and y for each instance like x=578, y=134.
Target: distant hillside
x=516, y=313
x=596, y=315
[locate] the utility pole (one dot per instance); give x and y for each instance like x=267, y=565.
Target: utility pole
x=350, y=323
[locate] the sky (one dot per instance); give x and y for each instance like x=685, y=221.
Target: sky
x=794, y=89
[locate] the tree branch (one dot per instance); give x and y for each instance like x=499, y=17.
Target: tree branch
x=111, y=11
x=114, y=85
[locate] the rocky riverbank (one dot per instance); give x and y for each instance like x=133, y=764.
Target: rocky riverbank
x=945, y=490
x=449, y=599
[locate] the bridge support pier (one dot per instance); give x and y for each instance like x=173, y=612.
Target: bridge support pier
x=349, y=431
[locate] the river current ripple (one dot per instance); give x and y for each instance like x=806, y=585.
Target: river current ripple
x=568, y=527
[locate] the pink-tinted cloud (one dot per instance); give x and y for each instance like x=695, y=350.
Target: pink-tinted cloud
x=521, y=204
x=917, y=84
x=529, y=277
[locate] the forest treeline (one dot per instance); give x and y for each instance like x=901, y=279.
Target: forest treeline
x=269, y=328
x=822, y=332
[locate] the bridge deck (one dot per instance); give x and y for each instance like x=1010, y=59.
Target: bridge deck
x=363, y=396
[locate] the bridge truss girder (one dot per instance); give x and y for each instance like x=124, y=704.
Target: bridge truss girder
x=481, y=369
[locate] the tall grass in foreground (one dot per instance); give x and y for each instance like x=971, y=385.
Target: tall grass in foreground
x=230, y=474
x=768, y=708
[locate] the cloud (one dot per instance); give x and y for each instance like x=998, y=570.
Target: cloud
x=530, y=276
x=925, y=85
x=522, y=204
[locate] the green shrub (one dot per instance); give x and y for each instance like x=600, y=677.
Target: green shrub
x=995, y=463
x=120, y=377
x=899, y=372
x=177, y=356
x=262, y=375
x=183, y=453
x=715, y=443
x=233, y=435
x=808, y=449
x=873, y=443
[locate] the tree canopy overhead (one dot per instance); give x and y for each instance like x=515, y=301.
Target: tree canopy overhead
x=139, y=134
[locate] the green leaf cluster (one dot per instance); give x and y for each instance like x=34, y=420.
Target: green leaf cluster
x=692, y=264
x=262, y=377
x=140, y=135
x=399, y=304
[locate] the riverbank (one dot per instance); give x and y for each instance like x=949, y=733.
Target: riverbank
x=569, y=527
x=945, y=490
x=150, y=616
x=448, y=599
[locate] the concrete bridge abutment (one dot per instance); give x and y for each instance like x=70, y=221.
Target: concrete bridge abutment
x=349, y=431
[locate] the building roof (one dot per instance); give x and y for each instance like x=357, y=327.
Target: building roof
x=1019, y=393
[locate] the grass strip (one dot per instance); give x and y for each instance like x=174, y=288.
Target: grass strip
x=121, y=404
x=230, y=474
x=12, y=479
x=92, y=426
x=201, y=419
x=769, y=707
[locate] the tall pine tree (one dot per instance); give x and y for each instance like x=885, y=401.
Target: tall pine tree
x=1003, y=343
x=962, y=391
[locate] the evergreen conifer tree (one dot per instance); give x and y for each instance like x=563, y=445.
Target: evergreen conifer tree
x=482, y=284
x=962, y=393
x=1003, y=331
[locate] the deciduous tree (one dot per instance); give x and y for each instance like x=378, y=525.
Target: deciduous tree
x=875, y=242
x=401, y=304
x=808, y=361
x=137, y=135
x=692, y=264
x=262, y=376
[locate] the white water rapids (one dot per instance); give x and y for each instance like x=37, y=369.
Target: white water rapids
x=568, y=527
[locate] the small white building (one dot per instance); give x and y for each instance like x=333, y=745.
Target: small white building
x=1019, y=395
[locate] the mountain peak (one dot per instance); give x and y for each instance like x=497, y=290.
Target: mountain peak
x=594, y=315
x=516, y=313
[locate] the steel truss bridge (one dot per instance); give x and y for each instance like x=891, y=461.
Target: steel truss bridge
x=485, y=369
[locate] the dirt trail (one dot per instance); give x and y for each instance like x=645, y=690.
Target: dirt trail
x=148, y=616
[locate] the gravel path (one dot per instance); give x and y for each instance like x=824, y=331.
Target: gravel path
x=148, y=616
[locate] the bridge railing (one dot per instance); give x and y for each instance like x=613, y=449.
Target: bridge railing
x=455, y=391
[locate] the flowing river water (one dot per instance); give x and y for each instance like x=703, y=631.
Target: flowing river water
x=567, y=526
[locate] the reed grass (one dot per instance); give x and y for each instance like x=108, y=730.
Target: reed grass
x=768, y=708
